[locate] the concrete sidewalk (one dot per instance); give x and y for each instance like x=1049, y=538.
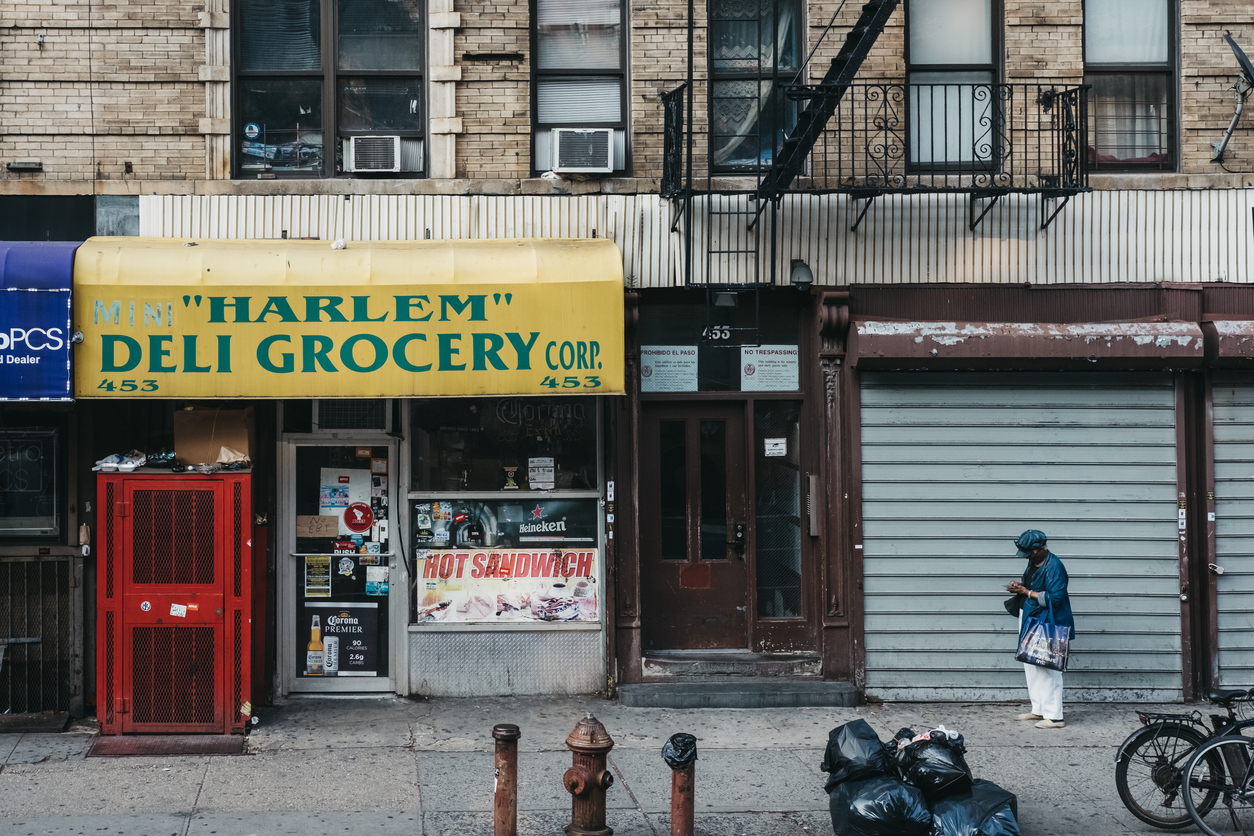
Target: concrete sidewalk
x=395, y=766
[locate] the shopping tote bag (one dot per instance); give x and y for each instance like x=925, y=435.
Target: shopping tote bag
x=1044, y=643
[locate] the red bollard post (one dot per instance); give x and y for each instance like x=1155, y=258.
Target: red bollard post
x=505, y=805
x=682, y=800
x=680, y=754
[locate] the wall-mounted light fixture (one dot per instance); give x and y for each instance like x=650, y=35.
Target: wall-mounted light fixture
x=802, y=277
x=725, y=300
x=26, y=165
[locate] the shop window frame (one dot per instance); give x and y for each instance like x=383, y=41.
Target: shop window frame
x=565, y=493
x=1168, y=70
x=65, y=427
x=621, y=125
x=329, y=75
x=406, y=523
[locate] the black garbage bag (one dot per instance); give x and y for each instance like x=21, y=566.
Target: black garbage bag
x=903, y=737
x=882, y=806
x=854, y=753
x=984, y=810
x=680, y=750
x=936, y=766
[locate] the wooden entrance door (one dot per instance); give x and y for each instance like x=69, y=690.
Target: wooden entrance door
x=694, y=526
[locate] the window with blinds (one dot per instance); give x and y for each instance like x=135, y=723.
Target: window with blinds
x=311, y=74
x=580, y=72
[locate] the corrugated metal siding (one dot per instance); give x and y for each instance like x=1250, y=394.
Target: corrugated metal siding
x=955, y=466
x=1234, y=527
x=1109, y=236
x=639, y=224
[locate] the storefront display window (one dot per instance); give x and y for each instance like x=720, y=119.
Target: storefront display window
x=32, y=493
x=492, y=542
x=504, y=444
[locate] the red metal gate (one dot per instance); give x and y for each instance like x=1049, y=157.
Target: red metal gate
x=175, y=594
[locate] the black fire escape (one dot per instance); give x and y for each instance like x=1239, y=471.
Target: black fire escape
x=865, y=140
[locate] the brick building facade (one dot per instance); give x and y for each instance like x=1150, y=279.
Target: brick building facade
x=89, y=88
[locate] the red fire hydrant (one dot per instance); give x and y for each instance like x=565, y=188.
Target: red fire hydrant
x=588, y=779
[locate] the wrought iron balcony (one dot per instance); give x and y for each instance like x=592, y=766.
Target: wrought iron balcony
x=883, y=137
x=979, y=138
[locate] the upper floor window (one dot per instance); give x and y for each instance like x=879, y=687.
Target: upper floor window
x=327, y=87
x=755, y=49
x=951, y=66
x=1128, y=61
x=579, y=85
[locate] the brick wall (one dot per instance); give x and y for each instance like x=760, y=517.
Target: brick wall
x=68, y=157
x=494, y=96
x=131, y=79
x=659, y=64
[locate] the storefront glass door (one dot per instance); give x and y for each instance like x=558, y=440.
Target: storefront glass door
x=340, y=527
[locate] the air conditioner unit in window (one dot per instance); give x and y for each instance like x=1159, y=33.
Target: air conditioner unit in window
x=583, y=150
x=372, y=153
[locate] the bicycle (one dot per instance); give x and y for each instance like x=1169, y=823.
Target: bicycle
x=1221, y=768
x=1150, y=764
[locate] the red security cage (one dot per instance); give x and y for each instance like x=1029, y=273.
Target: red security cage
x=175, y=601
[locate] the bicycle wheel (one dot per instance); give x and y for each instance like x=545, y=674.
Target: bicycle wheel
x=1149, y=770
x=1222, y=766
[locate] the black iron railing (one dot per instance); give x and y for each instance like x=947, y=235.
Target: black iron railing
x=977, y=138
x=899, y=138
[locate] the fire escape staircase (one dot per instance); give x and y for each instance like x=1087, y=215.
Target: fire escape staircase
x=865, y=139
x=813, y=118
x=785, y=165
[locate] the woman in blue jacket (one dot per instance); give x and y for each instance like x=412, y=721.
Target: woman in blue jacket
x=1044, y=585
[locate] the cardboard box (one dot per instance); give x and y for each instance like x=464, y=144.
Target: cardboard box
x=200, y=434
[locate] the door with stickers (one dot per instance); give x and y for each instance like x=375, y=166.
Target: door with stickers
x=342, y=571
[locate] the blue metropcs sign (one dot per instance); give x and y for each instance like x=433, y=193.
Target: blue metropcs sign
x=35, y=321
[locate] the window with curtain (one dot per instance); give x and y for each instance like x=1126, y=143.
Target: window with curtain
x=950, y=72
x=755, y=49
x=580, y=75
x=1128, y=61
x=310, y=74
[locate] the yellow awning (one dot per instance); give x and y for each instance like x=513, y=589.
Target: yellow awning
x=176, y=318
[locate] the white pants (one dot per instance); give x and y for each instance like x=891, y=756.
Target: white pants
x=1045, y=691
x=1044, y=688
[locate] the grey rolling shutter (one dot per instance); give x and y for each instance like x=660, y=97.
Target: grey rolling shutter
x=955, y=466
x=1233, y=398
